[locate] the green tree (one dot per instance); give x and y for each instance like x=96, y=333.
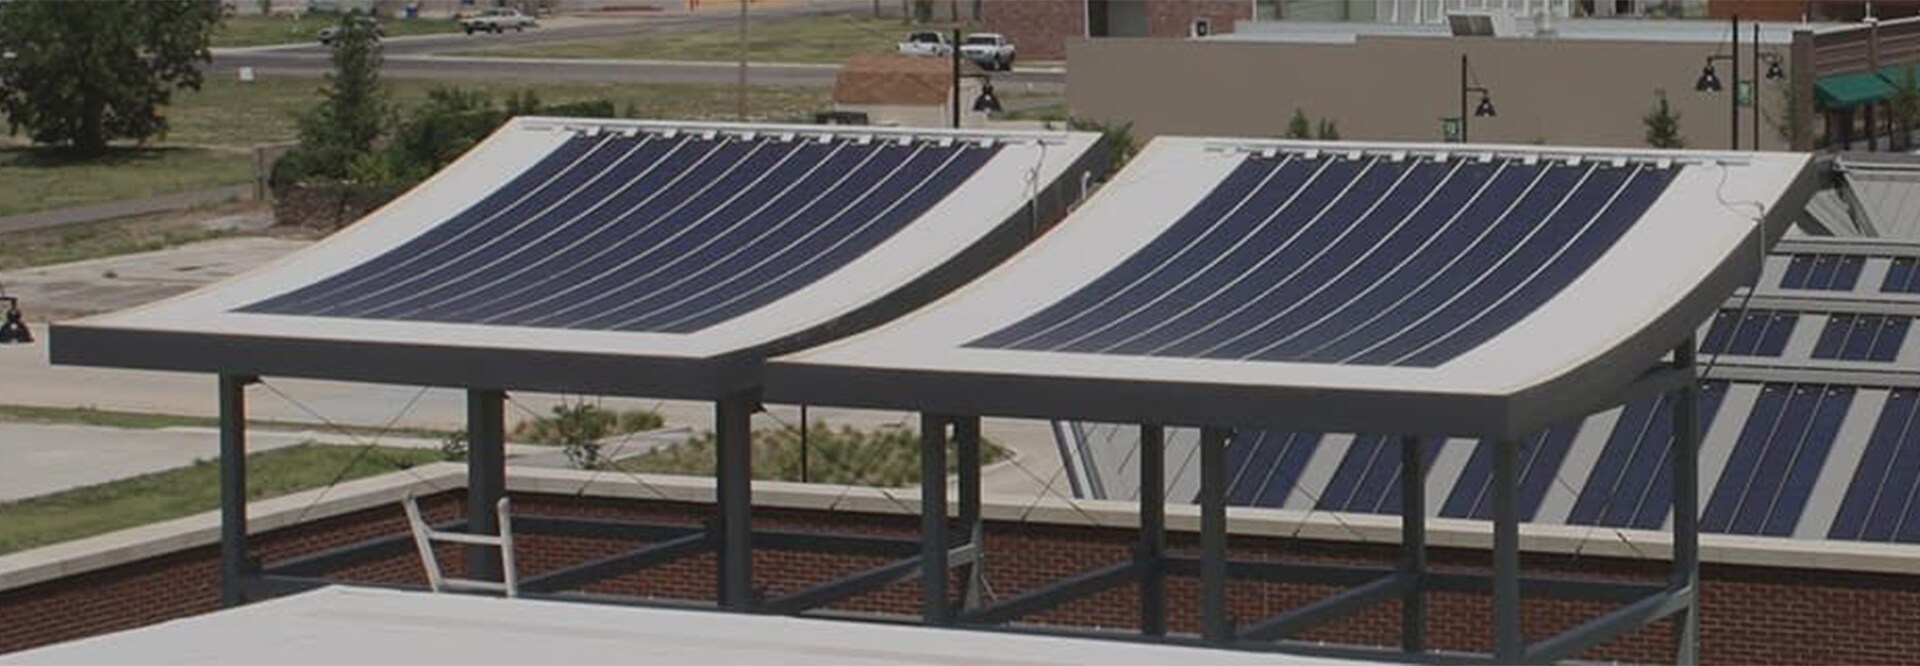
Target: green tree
x=1118, y=138
x=1299, y=127
x=353, y=111
x=1663, y=124
x=1903, y=106
x=1329, y=130
x=80, y=74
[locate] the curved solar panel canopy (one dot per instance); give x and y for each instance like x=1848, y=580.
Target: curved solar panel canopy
x=1475, y=291
x=619, y=257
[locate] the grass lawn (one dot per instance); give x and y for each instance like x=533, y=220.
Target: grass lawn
x=887, y=457
x=146, y=421
x=817, y=39
x=92, y=240
x=255, y=30
x=212, y=129
x=226, y=112
x=184, y=491
x=38, y=180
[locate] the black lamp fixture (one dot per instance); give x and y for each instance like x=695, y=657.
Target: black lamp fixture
x=1709, y=80
x=14, y=331
x=1485, y=109
x=987, y=102
x=1774, y=72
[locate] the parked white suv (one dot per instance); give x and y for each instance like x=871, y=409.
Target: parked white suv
x=989, y=50
x=928, y=43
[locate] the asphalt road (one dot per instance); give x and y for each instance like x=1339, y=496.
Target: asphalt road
x=424, y=56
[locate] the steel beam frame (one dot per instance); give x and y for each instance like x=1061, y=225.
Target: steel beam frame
x=235, y=564
x=733, y=483
x=936, y=604
x=1150, y=553
x=486, y=476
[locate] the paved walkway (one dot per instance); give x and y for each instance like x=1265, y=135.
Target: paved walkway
x=112, y=210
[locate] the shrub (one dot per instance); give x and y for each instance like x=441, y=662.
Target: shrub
x=886, y=457
x=578, y=428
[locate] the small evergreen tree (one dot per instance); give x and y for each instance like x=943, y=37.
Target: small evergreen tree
x=353, y=112
x=1299, y=127
x=1663, y=124
x=1329, y=130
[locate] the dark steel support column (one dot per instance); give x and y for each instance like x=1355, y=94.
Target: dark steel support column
x=966, y=436
x=1413, y=545
x=1214, y=624
x=1150, y=553
x=486, y=476
x=233, y=488
x=936, y=607
x=733, y=428
x=1686, y=508
x=1509, y=645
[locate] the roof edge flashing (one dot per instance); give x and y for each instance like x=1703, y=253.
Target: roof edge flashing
x=672, y=128
x=1484, y=152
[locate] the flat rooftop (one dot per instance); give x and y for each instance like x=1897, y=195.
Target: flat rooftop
x=351, y=625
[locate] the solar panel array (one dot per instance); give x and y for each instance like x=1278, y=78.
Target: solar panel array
x=1781, y=457
x=656, y=232
x=1351, y=259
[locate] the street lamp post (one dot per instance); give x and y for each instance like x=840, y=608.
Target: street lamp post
x=1483, y=110
x=1709, y=81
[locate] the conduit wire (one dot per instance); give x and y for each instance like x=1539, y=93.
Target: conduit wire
x=365, y=446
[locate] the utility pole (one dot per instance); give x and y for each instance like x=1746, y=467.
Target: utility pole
x=956, y=78
x=1733, y=100
x=740, y=94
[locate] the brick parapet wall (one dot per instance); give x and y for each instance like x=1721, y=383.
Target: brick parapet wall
x=1752, y=614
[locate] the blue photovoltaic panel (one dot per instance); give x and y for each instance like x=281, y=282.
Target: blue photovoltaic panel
x=1823, y=272
x=1264, y=466
x=650, y=233
x=1369, y=261
x=1850, y=337
x=1777, y=459
x=1879, y=504
x=1630, y=484
x=1903, y=277
x=1756, y=333
x=1368, y=478
x=1540, y=458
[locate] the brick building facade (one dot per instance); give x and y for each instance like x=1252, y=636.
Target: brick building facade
x=1751, y=614
x=1040, y=29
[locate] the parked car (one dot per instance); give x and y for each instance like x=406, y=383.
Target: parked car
x=989, y=50
x=929, y=43
x=497, y=21
x=329, y=33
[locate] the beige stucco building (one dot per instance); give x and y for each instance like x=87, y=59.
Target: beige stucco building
x=1586, y=86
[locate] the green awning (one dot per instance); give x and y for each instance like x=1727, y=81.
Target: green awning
x=1894, y=73
x=1840, y=91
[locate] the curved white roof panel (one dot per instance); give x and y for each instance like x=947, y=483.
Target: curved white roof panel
x=618, y=256
x=1476, y=290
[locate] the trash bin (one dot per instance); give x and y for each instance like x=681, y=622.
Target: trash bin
x=413, y=10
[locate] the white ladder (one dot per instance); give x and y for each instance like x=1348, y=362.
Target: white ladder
x=424, y=536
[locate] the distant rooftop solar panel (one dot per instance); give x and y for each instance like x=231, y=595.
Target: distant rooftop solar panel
x=650, y=232
x=1351, y=260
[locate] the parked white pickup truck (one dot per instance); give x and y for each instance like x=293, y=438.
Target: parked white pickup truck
x=929, y=43
x=498, y=20
x=989, y=50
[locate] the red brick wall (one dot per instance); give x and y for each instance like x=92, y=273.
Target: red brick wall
x=1040, y=28
x=1752, y=615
